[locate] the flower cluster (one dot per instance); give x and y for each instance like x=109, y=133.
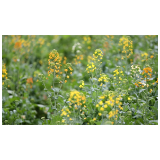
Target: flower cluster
x=76, y=47
x=78, y=59
x=65, y=59
x=41, y=41
x=147, y=70
x=90, y=67
x=135, y=71
x=103, y=78
x=140, y=84
x=82, y=85
x=77, y=99
x=65, y=112
x=113, y=113
x=4, y=72
x=87, y=40
x=30, y=81
x=68, y=69
x=54, y=62
x=109, y=100
x=144, y=56
x=98, y=55
x=89, y=59
x=118, y=74
x=106, y=45
x=95, y=61
x=127, y=45
x=18, y=45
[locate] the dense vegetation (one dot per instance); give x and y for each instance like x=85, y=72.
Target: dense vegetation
x=80, y=79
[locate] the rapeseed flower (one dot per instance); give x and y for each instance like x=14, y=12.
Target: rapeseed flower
x=82, y=85
x=99, y=114
x=101, y=109
x=4, y=71
x=101, y=102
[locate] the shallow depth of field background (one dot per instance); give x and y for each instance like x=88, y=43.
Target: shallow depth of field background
x=28, y=88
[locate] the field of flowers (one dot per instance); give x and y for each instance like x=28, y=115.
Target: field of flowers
x=80, y=80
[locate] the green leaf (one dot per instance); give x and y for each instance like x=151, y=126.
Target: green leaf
x=141, y=90
x=41, y=105
x=106, y=123
x=17, y=121
x=153, y=122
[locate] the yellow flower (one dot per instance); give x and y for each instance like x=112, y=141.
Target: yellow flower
x=129, y=98
x=67, y=76
x=63, y=120
x=94, y=119
x=101, y=109
x=97, y=105
x=102, y=97
x=105, y=106
x=65, y=81
x=80, y=86
x=70, y=119
x=64, y=113
x=120, y=107
x=100, y=102
x=99, y=114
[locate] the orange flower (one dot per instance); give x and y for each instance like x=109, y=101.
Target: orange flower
x=70, y=68
x=29, y=80
x=18, y=45
x=151, y=56
x=136, y=84
x=146, y=70
x=150, y=74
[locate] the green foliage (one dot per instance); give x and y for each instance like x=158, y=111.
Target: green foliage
x=80, y=80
